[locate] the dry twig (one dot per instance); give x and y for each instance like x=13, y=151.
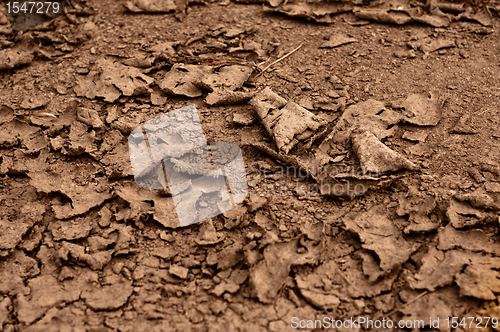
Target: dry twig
x=280, y=59
x=408, y=303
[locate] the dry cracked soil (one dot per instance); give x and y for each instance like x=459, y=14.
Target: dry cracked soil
x=369, y=133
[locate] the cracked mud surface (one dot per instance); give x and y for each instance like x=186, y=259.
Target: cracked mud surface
x=83, y=248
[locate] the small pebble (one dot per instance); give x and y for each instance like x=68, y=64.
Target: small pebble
x=301, y=250
x=166, y=236
x=332, y=94
x=283, y=228
x=179, y=271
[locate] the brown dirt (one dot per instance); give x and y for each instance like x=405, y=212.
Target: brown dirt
x=84, y=249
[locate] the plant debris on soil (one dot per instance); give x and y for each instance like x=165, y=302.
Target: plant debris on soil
x=369, y=135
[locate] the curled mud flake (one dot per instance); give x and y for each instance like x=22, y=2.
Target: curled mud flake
x=14, y=270
x=380, y=234
x=46, y=292
x=110, y=80
x=96, y=261
x=14, y=132
x=15, y=57
x=181, y=79
x=139, y=200
x=192, y=80
x=63, y=178
x=480, y=280
x=287, y=122
x=151, y=6
x=90, y=117
x=421, y=109
x=338, y=40
x=418, y=209
x=108, y=297
x=438, y=268
x=11, y=233
x=463, y=215
x=321, y=13
x=436, y=305
x=472, y=239
x=376, y=157
x=269, y=275
x=370, y=115
x=78, y=228
x=315, y=295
